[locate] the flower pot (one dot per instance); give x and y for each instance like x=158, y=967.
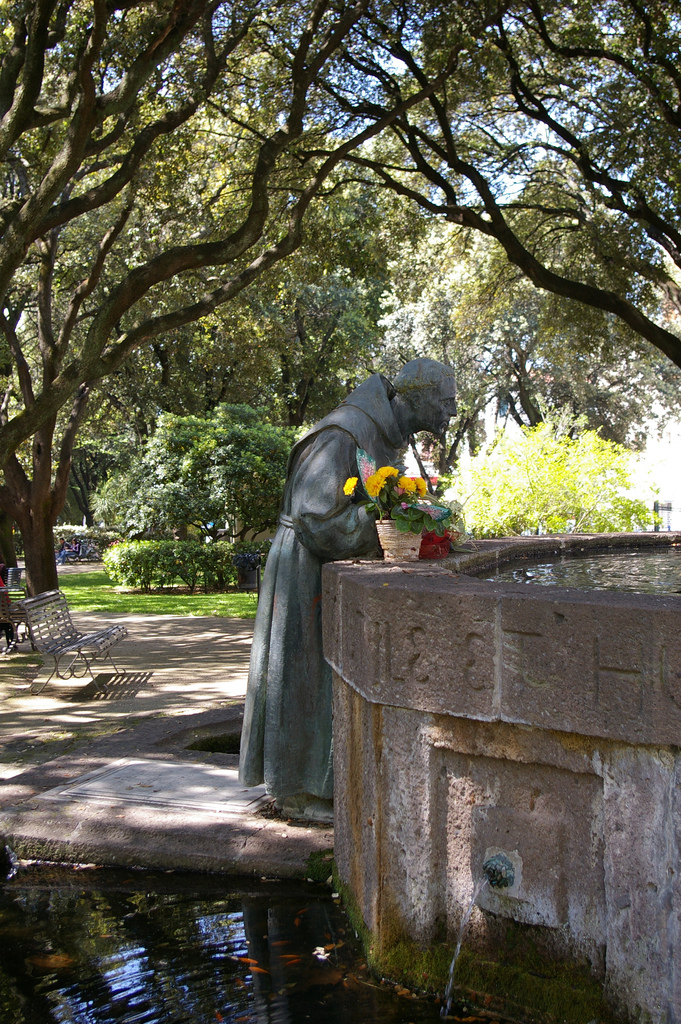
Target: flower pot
x=433, y=546
x=397, y=546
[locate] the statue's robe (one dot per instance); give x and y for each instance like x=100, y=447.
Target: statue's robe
x=286, y=739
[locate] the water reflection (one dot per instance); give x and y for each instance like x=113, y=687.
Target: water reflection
x=642, y=572
x=112, y=947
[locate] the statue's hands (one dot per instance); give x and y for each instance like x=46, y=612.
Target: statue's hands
x=366, y=522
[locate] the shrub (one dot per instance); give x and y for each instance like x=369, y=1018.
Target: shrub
x=147, y=564
x=551, y=482
x=200, y=472
x=135, y=564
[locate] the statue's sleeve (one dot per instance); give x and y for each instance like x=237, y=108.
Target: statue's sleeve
x=326, y=521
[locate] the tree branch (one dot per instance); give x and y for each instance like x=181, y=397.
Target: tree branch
x=23, y=369
x=61, y=479
x=88, y=285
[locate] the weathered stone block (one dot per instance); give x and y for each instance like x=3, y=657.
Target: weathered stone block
x=545, y=723
x=381, y=627
x=596, y=664
x=641, y=861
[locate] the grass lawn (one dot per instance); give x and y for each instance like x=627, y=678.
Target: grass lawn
x=94, y=592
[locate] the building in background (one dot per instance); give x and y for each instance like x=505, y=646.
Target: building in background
x=661, y=461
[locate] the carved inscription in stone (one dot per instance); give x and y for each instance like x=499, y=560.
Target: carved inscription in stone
x=618, y=683
x=590, y=668
x=434, y=660
x=644, y=673
x=379, y=650
x=522, y=657
x=474, y=667
x=412, y=663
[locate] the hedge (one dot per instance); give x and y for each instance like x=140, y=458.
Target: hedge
x=154, y=564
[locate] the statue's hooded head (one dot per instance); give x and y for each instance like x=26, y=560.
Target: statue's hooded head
x=425, y=396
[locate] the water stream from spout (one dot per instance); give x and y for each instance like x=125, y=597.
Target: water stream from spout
x=8, y=861
x=444, y=1011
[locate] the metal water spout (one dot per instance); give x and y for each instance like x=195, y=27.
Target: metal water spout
x=499, y=871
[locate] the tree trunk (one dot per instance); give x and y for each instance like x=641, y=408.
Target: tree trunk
x=35, y=503
x=81, y=498
x=9, y=555
x=36, y=533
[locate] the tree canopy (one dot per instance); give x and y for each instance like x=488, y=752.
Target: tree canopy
x=203, y=202
x=525, y=352
x=556, y=135
x=201, y=472
x=158, y=159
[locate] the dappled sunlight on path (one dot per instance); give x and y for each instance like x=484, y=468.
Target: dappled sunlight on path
x=168, y=665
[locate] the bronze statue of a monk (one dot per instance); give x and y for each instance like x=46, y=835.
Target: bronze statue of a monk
x=286, y=739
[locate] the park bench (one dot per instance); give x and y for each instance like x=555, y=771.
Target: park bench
x=13, y=578
x=52, y=632
x=12, y=610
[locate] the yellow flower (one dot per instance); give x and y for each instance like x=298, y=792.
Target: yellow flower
x=350, y=484
x=407, y=483
x=373, y=485
x=385, y=471
x=420, y=486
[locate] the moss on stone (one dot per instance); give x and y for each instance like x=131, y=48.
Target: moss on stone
x=320, y=865
x=519, y=983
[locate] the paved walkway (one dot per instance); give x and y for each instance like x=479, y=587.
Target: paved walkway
x=175, y=665
x=76, y=766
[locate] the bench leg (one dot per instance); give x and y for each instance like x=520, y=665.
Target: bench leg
x=102, y=687
x=37, y=688
x=71, y=673
x=88, y=661
x=118, y=672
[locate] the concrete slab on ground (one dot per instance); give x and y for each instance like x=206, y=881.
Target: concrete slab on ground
x=173, y=784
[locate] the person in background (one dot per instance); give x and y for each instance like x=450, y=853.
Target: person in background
x=63, y=551
x=5, y=625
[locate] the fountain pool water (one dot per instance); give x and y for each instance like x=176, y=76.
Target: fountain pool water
x=636, y=571
x=109, y=946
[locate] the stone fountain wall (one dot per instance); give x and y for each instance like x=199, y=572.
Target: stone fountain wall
x=472, y=718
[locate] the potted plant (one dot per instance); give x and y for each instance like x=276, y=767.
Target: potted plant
x=400, y=506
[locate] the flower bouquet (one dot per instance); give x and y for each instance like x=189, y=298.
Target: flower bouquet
x=400, y=507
